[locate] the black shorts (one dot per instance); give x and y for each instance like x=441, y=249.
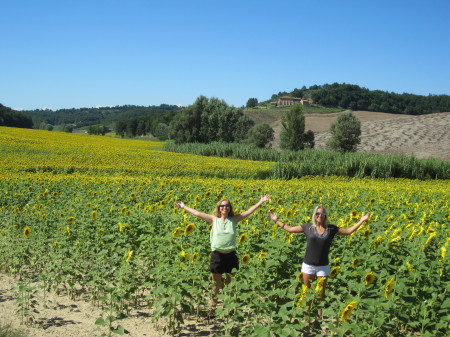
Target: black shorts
x=221, y=263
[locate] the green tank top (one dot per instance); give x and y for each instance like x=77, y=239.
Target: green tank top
x=223, y=235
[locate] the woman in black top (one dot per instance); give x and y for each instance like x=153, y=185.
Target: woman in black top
x=319, y=235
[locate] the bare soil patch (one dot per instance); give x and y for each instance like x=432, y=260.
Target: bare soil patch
x=424, y=136
x=59, y=316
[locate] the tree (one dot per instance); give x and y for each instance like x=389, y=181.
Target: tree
x=261, y=135
x=252, y=102
x=162, y=131
x=209, y=120
x=345, y=133
x=293, y=134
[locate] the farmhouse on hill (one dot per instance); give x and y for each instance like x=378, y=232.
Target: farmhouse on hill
x=286, y=100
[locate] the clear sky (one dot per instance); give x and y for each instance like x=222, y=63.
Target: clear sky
x=86, y=53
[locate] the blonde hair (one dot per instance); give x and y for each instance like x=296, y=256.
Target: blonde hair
x=313, y=222
x=217, y=210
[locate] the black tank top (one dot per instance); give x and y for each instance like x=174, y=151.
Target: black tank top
x=318, y=246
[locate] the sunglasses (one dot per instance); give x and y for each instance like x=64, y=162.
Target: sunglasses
x=319, y=214
x=224, y=206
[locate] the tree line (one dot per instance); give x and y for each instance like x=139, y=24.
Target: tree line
x=353, y=97
x=81, y=117
x=10, y=117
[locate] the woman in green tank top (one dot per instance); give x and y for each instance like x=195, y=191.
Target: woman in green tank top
x=223, y=240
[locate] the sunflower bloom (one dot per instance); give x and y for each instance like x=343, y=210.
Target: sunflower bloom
x=189, y=229
x=71, y=219
x=184, y=255
x=354, y=214
x=388, y=287
x=246, y=258
x=430, y=238
x=347, y=311
x=367, y=232
x=176, y=231
x=300, y=277
x=369, y=278
x=261, y=255
x=94, y=215
x=334, y=271
x=242, y=238
x=129, y=255
x=377, y=242
x=409, y=266
x=68, y=231
x=27, y=232
x=56, y=244
x=443, y=252
x=194, y=258
x=302, y=295
x=320, y=286
x=355, y=263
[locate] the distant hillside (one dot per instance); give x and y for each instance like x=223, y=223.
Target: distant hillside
x=93, y=116
x=353, y=97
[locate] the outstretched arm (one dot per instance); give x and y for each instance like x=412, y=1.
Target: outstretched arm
x=207, y=217
x=243, y=215
x=296, y=229
x=350, y=230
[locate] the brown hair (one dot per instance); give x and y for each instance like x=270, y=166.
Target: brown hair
x=217, y=210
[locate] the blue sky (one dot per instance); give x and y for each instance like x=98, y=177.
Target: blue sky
x=72, y=54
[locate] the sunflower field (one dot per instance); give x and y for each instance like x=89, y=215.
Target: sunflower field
x=92, y=216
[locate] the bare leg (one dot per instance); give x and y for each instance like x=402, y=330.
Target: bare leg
x=217, y=278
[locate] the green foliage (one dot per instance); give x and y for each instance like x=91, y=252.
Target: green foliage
x=26, y=302
x=293, y=135
x=295, y=164
x=252, y=103
x=103, y=115
x=9, y=117
x=350, y=96
x=97, y=130
x=261, y=135
x=345, y=133
x=209, y=120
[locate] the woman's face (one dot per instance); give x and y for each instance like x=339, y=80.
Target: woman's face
x=224, y=207
x=320, y=216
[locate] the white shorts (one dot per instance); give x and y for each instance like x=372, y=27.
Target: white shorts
x=315, y=270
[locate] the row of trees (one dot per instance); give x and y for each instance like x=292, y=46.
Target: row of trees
x=10, y=117
x=212, y=120
x=349, y=96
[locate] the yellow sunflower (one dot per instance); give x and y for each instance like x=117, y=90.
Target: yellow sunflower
x=388, y=287
x=334, y=271
x=347, y=311
x=262, y=255
x=245, y=258
x=194, y=258
x=320, y=286
x=302, y=295
x=27, y=232
x=176, y=231
x=355, y=263
x=242, y=238
x=189, y=229
x=369, y=278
